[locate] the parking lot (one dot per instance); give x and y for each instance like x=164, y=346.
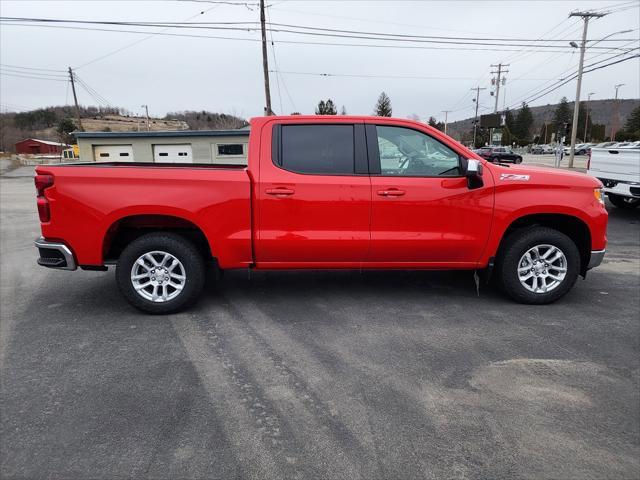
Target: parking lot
x=317, y=374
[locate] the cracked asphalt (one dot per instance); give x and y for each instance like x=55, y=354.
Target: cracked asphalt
x=316, y=375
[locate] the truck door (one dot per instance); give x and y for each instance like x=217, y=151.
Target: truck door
x=423, y=212
x=314, y=195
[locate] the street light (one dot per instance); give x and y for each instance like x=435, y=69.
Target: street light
x=615, y=106
x=586, y=118
x=576, y=106
x=610, y=35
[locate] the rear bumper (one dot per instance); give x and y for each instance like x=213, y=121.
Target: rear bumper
x=596, y=258
x=621, y=187
x=55, y=255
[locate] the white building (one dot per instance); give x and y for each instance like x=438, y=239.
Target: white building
x=181, y=146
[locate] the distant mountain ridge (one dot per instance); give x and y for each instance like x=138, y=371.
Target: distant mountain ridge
x=600, y=111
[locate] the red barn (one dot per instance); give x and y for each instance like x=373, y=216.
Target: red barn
x=39, y=147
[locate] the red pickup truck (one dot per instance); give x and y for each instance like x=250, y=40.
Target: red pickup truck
x=322, y=192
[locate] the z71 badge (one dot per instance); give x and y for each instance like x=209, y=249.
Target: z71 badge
x=513, y=176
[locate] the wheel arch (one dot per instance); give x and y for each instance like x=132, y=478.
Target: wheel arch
x=126, y=229
x=572, y=226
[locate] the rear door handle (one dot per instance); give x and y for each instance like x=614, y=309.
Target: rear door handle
x=280, y=191
x=392, y=192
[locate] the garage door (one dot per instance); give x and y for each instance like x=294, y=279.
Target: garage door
x=172, y=153
x=113, y=153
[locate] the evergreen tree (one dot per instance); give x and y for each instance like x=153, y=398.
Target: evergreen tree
x=523, y=123
x=581, y=119
x=562, y=116
x=432, y=122
x=65, y=127
x=343, y=111
x=326, y=108
x=632, y=125
x=508, y=128
x=597, y=133
x=383, y=106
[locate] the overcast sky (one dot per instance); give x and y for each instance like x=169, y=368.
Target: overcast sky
x=171, y=73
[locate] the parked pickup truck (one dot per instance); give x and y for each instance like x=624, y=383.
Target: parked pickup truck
x=619, y=170
x=323, y=192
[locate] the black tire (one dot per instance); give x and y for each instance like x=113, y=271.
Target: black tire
x=623, y=202
x=495, y=159
x=177, y=246
x=518, y=160
x=516, y=245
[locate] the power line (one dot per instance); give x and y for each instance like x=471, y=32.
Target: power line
x=91, y=91
x=224, y=2
x=29, y=72
x=32, y=77
x=291, y=42
x=315, y=31
x=564, y=82
x=364, y=75
x=572, y=69
x=19, y=67
x=118, y=50
x=558, y=83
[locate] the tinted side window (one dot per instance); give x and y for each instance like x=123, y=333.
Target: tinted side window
x=407, y=152
x=324, y=149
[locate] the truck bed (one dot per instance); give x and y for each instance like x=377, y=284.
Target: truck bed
x=216, y=166
x=90, y=202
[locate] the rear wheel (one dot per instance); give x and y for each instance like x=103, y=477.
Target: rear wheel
x=160, y=273
x=537, y=265
x=623, y=202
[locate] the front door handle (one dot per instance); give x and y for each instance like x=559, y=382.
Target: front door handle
x=280, y=191
x=392, y=192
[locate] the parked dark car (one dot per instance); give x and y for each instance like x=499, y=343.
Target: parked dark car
x=500, y=154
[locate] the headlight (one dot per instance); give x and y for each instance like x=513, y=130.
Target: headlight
x=599, y=194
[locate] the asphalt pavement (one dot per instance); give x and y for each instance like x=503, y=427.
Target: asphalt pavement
x=323, y=375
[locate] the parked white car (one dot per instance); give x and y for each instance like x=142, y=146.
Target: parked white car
x=618, y=168
x=581, y=149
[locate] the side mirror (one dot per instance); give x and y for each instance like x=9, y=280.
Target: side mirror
x=474, y=174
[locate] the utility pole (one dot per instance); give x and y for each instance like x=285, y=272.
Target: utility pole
x=146, y=109
x=446, y=116
x=616, y=114
x=75, y=100
x=586, y=16
x=265, y=61
x=586, y=116
x=499, y=72
x=475, y=119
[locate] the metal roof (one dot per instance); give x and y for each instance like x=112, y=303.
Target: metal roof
x=46, y=142
x=164, y=133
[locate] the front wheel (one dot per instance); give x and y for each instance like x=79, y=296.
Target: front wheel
x=623, y=202
x=160, y=273
x=537, y=265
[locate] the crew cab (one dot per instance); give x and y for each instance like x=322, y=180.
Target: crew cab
x=322, y=192
x=500, y=154
x=618, y=168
